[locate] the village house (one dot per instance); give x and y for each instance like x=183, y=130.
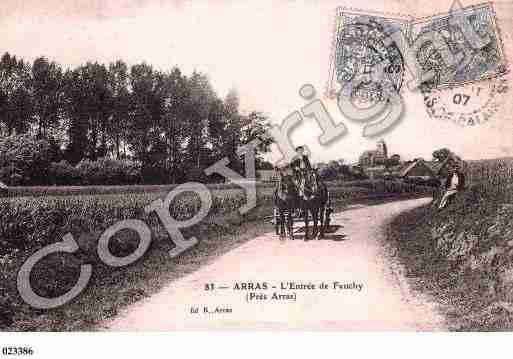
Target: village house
x=419, y=169
x=377, y=164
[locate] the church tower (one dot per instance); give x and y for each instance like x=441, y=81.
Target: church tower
x=382, y=149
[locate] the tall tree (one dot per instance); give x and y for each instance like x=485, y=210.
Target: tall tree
x=118, y=82
x=233, y=129
x=89, y=103
x=77, y=116
x=146, y=111
x=173, y=124
x=47, y=80
x=196, y=113
x=16, y=106
x=100, y=100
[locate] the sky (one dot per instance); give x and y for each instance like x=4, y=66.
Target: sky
x=265, y=50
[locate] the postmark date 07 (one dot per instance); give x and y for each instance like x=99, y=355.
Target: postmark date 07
x=14, y=351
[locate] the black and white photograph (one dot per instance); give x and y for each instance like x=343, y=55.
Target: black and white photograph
x=173, y=166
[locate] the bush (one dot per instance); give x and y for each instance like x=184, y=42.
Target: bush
x=24, y=160
x=108, y=172
x=62, y=173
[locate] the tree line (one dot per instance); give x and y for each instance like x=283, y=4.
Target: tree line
x=170, y=125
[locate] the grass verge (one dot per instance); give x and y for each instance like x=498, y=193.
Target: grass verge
x=465, y=296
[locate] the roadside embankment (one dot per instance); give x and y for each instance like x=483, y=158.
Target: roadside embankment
x=463, y=255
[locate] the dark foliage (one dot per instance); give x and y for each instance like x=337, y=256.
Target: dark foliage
x=171, y=125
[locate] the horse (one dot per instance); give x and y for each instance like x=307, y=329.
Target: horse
x=285, y=201
x=313, y=199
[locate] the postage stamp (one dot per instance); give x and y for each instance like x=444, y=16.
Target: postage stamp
x=480, y=59
x=469, y=91
x=359, y=45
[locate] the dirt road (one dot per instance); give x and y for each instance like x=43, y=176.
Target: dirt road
x=366, y=287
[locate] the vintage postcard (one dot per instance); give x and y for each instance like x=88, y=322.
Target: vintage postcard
x=172, y=166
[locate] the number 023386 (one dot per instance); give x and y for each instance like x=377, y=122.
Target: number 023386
x=13, y=351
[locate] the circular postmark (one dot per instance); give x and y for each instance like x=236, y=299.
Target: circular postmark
x=365, y=62
x=468, y=105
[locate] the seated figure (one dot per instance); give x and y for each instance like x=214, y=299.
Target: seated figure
x=300, y=165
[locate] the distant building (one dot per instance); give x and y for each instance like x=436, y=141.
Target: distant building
x=421, y=169
x=375, y=157
x=377, y=164
x=417, y=169
x=373, y=162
